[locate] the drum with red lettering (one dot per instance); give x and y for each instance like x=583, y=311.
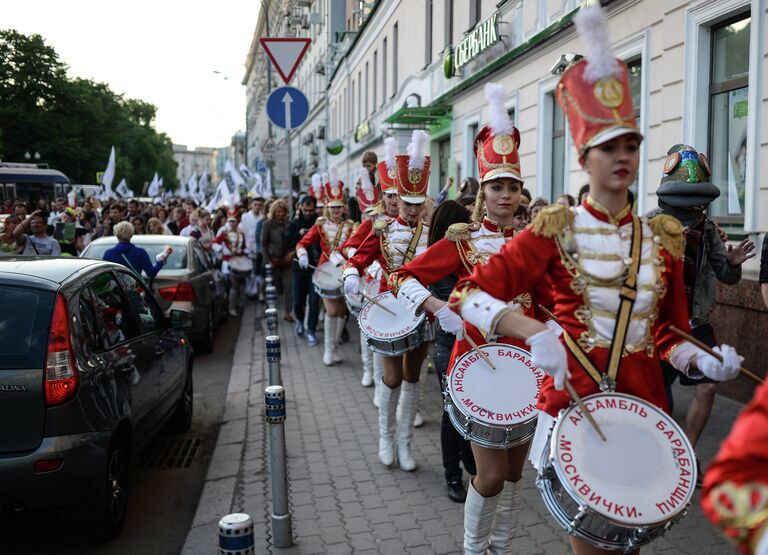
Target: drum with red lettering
x=389, y=328
x=494, y=408
x=327, y=281
x=625, y=492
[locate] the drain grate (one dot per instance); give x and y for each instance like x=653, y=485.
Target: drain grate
x=172, y=452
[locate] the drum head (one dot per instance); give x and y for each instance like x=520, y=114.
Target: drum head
x=327, y=276
x=379, y=324
x=506, y=396
x=645, y=473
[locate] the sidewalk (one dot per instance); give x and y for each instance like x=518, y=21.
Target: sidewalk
x=342, y=499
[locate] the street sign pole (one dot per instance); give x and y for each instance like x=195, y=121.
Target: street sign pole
x=287, y=100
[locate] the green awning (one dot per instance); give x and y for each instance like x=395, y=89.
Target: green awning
x=426, y=116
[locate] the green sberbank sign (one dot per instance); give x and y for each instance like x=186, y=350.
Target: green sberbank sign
x=476, y=41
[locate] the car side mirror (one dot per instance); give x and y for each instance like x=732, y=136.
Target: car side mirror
x=181, y=320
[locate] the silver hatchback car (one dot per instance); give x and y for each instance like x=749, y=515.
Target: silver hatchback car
x=188, y=282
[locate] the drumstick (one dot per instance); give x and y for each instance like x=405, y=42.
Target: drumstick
x=374, y=301
x=572, y=392
x=707, y=349
x=475, y=348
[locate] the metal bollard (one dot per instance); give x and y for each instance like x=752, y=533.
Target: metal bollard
x=273, y=359
x=269, y=281
x=271, y=316
x=271, y=296
x=236, y=535
x=282, y=529
x=268, y=270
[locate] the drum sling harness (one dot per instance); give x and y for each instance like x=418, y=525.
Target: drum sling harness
x=336, y=239
x=627, y=295
x=413, y=244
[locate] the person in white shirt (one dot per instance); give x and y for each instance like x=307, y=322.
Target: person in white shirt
x=248, y=223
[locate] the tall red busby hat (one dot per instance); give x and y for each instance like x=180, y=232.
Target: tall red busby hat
x=316, y=189
x=367, y=193
x=496, y=145
x=334, y=189
x=594, y=92
x=386, y=167
x=413, y=170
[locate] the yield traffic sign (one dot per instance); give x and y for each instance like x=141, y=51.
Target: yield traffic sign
x=285, y=54
x=287, y=107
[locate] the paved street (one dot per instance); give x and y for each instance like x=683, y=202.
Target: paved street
x=342, y=499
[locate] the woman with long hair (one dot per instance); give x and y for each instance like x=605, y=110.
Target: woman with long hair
x=394, y=242
x=612, y=274
x=465, y=247
x=330, y=232
x=273, y=242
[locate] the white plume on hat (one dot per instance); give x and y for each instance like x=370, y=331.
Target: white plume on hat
x=592, y=24
x=498, y=118
x=365, y=181
x=324, y=177
x=390, y=149
x=316, y=184
x=333, y=175
x=417, y=150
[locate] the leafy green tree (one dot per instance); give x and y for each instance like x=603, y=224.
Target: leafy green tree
x=73, y=123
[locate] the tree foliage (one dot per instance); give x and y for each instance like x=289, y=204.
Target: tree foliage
x=74, y=122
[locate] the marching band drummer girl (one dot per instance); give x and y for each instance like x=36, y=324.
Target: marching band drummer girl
x=331, y=232
x=395, y=242
x=593, y=254
x=465, y=247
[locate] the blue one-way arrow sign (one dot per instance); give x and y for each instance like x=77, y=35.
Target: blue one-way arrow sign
x=287, y=107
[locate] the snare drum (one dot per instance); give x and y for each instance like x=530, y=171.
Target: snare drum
x=355, y=302
x=494, y=408
x=625, y=492
x=387, y=334
x=327, y=281
x=241, y=266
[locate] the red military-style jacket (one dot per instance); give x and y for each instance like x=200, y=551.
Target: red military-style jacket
x=464, y=247
x=584, y=254
x=329, y=234
x=735, y=495
x=356, y=238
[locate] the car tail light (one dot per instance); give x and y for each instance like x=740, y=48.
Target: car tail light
x=180, y=292
x=48, y=465
x=61, y=376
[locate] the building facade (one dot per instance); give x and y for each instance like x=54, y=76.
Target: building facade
x=191, y=161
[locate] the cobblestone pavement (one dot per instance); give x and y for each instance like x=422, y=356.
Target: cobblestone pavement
x=342, y=499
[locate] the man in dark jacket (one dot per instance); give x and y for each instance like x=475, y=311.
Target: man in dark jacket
x=301, y=279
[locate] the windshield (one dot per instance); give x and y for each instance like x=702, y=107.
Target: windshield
x=24, y=322
x=177, y=260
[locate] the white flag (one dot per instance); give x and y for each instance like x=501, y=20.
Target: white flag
x=219, y=197
x=192, y=184
x=182, y=191
x=154, y=187
x=123, y=190
x=229, y=169
x=268, y=191
x=245, y=172
x=258, y=186
x=109, y=173
x=72, y=199
x=204, y=184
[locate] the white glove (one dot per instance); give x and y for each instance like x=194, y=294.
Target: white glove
x=337, y=259
x=351, y=285
x=723, y=371
x=450, y=321
x=554, y=326
x=304, y=260
x=548, y=354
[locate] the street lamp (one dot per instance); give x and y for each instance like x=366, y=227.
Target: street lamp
x=29, y=156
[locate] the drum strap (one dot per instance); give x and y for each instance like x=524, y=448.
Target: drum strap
x=413, y=244
x=627, y=296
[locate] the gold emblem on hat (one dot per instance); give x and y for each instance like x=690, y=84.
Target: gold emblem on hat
x=503, y=144
x=335, y=191
x=414, y=176
x=609, y=92
x=391, y=173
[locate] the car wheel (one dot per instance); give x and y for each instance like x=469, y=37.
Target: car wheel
x=181, y=420
x=205, y=345
x=111, y=515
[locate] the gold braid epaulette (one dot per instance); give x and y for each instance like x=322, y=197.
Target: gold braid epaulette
x=669, y=230
x=379, y=226
x=552, y=220
x=458, y=232
x=321, y=221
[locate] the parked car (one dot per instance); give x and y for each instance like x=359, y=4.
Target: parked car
x=90, y=371
x=189, y=281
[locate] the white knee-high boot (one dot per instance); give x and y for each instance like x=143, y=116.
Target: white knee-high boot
x=378, y=372
x=478, y=520
x=339, y=326
x=506, y=519
x=408, y=399
x=328, y=335
x=367, y=355
x=387, y=408
x=418, y=421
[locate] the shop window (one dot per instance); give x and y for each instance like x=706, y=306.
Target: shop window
x=375, y=78
x=428, y=35
x=384, y=71
x=472, y=130
x=558, y=145
x=475, y=10
x=448, y=22
x=728, y=93
x=394, y=59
